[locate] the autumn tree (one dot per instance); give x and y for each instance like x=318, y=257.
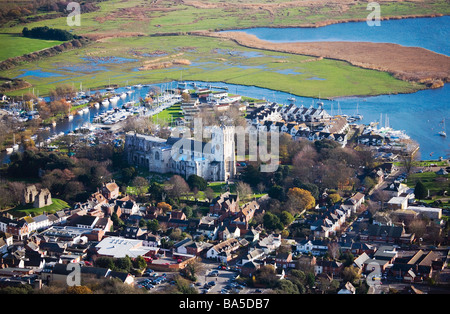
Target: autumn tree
x=299, y=200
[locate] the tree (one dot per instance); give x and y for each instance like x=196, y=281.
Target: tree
x=197, y=181
x=153, y=225
x=244, y=190
x=178, y=187
x=140, y=184
x=209, y=194
x=277, y=192
x=286, y=218
x=420, y=190
x=78, y=290
x=300, y=199
x=334, y=198
x=272, y=222
x=350, y=273
x=139, y=263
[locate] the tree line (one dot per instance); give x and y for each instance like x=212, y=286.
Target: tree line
x=44, y=32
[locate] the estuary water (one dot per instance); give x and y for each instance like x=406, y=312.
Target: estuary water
x=429, y=33
x=422, y=114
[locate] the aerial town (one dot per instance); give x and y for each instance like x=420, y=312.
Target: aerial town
x=201, y=160
x=121, y=206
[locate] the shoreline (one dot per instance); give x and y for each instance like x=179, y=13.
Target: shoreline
x=333, y=22
x=412, y=64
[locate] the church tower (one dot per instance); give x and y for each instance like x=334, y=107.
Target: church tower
x=223, y=151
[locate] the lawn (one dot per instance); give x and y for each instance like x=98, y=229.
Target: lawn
x=435, y=183
x=168, y=115
x=14, y=45
x=29, y=210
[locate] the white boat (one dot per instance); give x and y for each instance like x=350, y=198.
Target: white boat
x=105, y=102
x=97, y=105
x=123, y=95
x=70, y=117
x=114, y=99
x=443, y=133
x=15, y=147
x=9, y=150
x=54, y=123
x=129, y=92
x=86, y=110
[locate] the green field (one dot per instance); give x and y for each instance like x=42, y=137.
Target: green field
x=29, y=210
x=169, y=16
x=210, y=61
x=168, y=115
x=209, y=57
x=434, y=183
x=14, y=45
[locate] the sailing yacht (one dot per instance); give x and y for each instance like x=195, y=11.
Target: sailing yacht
x=442, y=133
x=358, y=116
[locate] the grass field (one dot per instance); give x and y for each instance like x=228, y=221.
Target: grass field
x=434, y=183
x=168, y=115
x=208, y=56
x=14, y=45
x=212, y=59
x=29, y=210
x=169, y=16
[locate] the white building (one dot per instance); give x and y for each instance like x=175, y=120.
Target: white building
x=214, y=160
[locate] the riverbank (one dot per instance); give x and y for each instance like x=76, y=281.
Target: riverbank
x=412, y=64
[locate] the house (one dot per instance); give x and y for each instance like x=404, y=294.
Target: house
x=270, y=243
x=388, y=253
x=131, y=232
x=249, y=268
x=39, y=222
x=253, y=255
x=192, y=247
x=397, y=202
x=386, y=234
x=328, y=267
x=226, y=232
x=110, y=190
x=357, y=248
x=17, y=228
x=314, y=247
x=353, y=203
x=396, y=189
x=223, y=250
x=284, y=260
x=359, y=261
x=224, y=204
x=419, y=266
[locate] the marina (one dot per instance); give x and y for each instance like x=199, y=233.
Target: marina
x=418, y=115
